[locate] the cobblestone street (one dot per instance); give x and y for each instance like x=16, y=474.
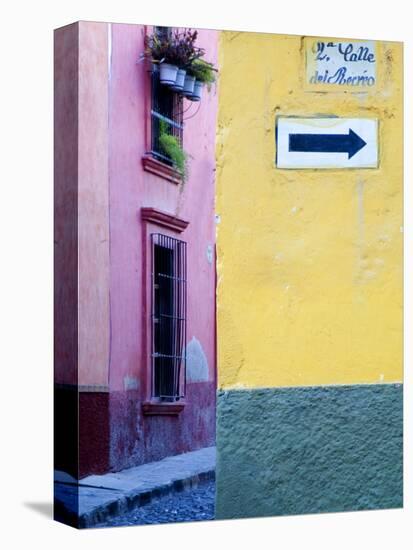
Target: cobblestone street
x=192, y=505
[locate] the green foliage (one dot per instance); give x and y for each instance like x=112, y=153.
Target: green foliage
x=203, y=71
x=172, y=148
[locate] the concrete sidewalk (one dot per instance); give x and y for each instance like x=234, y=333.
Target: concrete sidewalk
x=97, y=498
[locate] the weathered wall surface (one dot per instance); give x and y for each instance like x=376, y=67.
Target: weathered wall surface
x=132, y=188
x=101, y=115
x=93, y=205
x=310, y=449
x=136, y=438
x=81, y=247
x=309, y=288
x=319, y=251
x=65, y=410
x=66, y=52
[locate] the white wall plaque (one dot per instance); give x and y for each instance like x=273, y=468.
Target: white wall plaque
x=326, y=142
x=351, y=65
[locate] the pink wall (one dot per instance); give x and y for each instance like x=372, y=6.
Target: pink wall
x=102, y=108
x=131, y=188
x=93, y=206
x=136, y=438
x=65, y=204
x=81, y=205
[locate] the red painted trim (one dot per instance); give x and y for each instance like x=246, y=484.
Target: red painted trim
x=146, y=371
x=152, y=218
x=164, y=219
x=162, y=409
x=154, y=166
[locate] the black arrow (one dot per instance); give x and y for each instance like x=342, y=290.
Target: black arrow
x=350, y=143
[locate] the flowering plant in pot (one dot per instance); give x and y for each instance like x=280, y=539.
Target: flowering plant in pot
x=160, y=50
x=204, y=73
x=174, y=53
x=186, y=53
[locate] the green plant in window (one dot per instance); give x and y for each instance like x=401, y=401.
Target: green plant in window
x=172, y=148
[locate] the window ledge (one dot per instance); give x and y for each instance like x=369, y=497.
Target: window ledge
x=151, y=408
x=154, y=166
x=163, y=219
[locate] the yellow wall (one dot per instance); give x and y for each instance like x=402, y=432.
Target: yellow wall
x=309, y=261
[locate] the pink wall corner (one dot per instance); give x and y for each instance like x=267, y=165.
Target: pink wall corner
x=93, y=205
x=66, y=52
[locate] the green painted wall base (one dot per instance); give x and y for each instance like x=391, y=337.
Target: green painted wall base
x=309, y=449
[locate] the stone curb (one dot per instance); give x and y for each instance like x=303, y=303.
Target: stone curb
x=131, y=500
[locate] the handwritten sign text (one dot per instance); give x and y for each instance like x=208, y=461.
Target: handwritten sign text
x=348, y=64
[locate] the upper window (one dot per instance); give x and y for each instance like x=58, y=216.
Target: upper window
x=168, y=317
x=166, y=106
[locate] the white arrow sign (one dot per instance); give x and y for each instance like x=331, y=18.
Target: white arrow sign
x=326, y=142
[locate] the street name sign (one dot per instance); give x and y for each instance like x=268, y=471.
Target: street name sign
x=327, y=142
x=350, y=65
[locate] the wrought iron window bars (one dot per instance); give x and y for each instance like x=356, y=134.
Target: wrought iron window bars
x=168, y=317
